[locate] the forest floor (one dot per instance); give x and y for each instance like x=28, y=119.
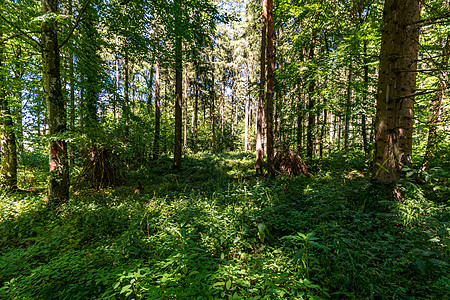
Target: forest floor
x=214, y=230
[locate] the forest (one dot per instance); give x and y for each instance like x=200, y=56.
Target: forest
x=214, y=149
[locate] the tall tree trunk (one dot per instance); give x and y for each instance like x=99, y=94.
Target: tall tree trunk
x=133, y=89
x=126, y=109
x=339, y=131
x=72, y=95
x=262, y=83
x=396, y=89
x=436, y=107
x=247, y=107
x=18, y=75
x=366, y=91
x=195, y=121
x=8, y=166
x=300, y=122
x=233, y=106
x=348, y=108
x=310, y=145
x=322, y=133
x=213, y=100
x=58, y=186
x=150, y=91
x=157, y=113
x=185, y=104
x=299, y=132
x=116, y=94
x=177, y=153
x=269, y=95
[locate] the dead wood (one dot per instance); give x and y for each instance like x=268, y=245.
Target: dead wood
x=288, y=162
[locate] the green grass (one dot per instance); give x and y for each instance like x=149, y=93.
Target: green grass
x=215, y=231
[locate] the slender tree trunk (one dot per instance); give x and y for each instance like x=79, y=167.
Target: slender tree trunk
x=8, y=166
x=213, y=100
x=233, y=106
x=322, y=133
x=58, y=187
x=133, y=89
x=177, y=153
x=338, y=127
x=436, y=107
x=396, y=89
x=259, y=119
x=299, y=132
x=269, y=95
x=310, y=145
x=18, y=75
x=157, y=113
x=20, y=139
x=150, y=91
x=126, y=109
x=116, y=94
x=195, y=121
x=185, y=103
x=222, y=107
x=348, y=108
x=247, y=108
x=213, y=116
x=299, y=122
x=366, y=91
x=72, y=96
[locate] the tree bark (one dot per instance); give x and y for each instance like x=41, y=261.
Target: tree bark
x=300, y=105
x=150, y=91
x=262, y=83
x=213, y=101
x=365, y=93
x=18, y=76
x=396, y=89
x=310, y=145
x=348, y=108
x=177, y=153
x=8, y=166
x=72, y=95
x=222, y=107
x=247, y=108
x=116, y=94
x=157, y=113
x=185, y=103
x=126, y=94
x=322, y=133
x=58, y=187
x=195, y=121
x=269, y=95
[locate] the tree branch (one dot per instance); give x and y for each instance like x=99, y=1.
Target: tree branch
x=430, y=21
x=13, y=36
x=77, y=21
x=21, y=31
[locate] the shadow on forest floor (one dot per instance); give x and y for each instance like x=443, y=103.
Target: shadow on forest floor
x=214, y=230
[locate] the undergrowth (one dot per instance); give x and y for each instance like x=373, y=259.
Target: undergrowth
x=215, y=231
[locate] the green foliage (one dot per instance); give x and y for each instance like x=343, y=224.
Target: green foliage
x=214, y=230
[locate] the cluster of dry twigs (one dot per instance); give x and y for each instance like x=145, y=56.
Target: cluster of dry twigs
x=102, y=167
x=288, y=162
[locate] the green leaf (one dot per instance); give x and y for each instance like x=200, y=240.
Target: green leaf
x=125, y=288
x=317, y=245
x=228, y=285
